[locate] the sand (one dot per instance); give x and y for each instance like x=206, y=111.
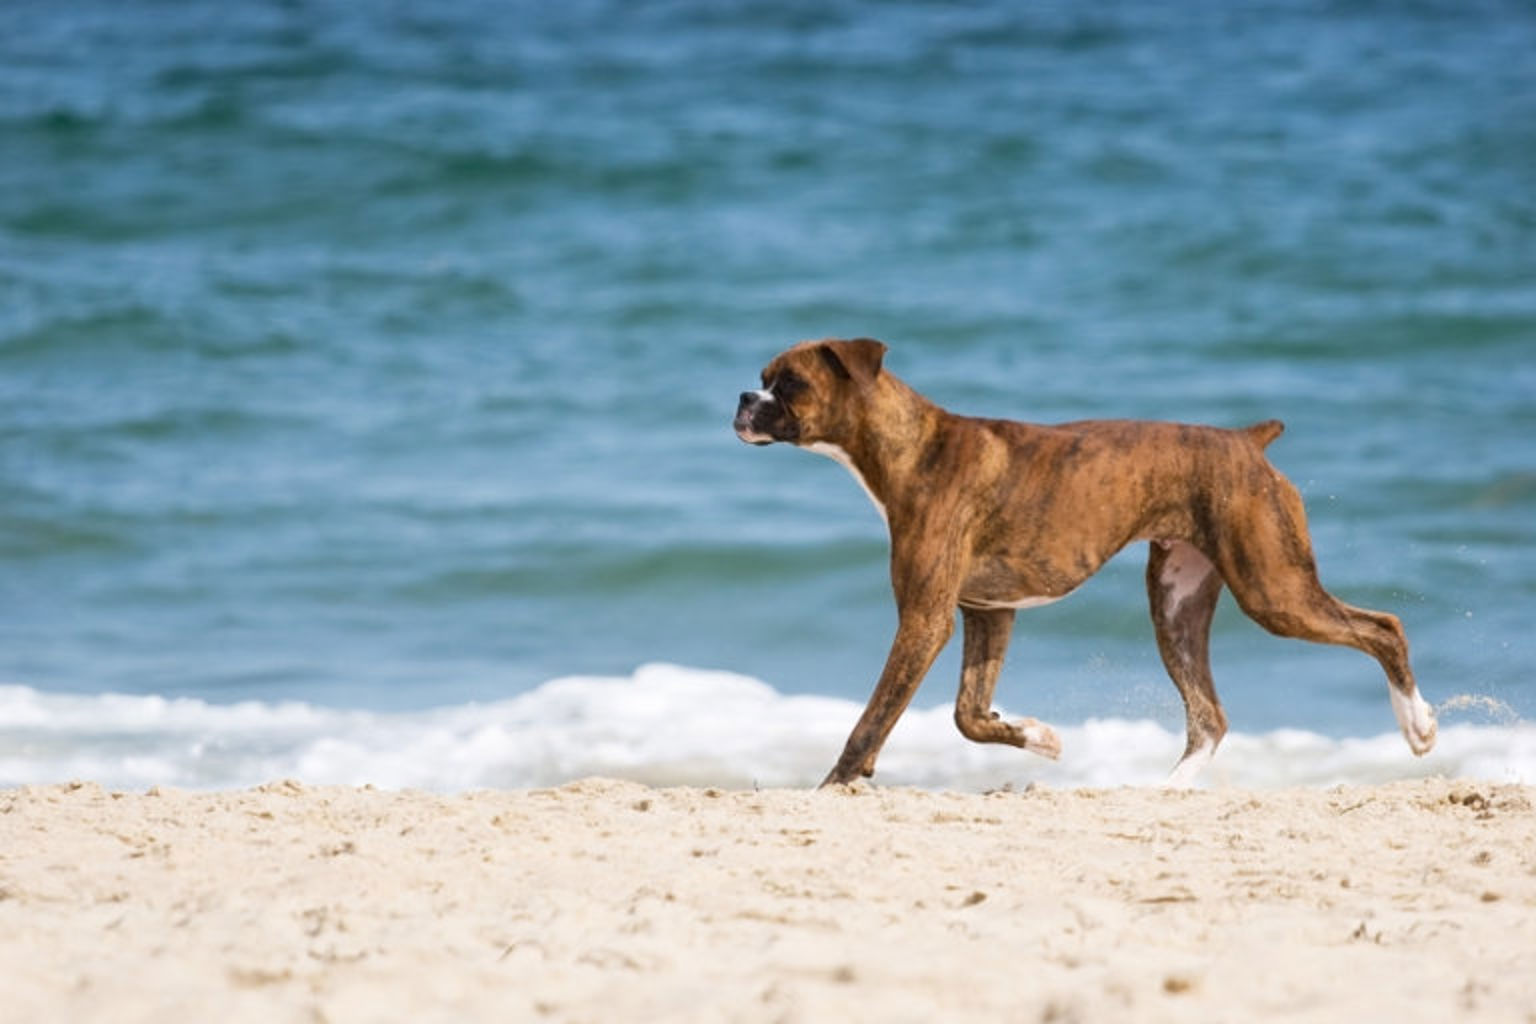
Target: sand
x=610, y=901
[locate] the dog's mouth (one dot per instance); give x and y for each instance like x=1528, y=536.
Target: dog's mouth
x=746, y=422
x=750, y=434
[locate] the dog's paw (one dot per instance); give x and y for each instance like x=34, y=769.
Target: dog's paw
x=1417, y=720
x=1191, y=765
x=1039, y=738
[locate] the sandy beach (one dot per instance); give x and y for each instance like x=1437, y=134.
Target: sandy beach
x=603, y=900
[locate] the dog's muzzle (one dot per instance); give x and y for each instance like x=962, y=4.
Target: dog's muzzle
x=749, y=412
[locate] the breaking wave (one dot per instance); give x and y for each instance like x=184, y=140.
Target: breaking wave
x=663, y=725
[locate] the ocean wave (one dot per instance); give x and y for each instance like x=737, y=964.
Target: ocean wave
x=662, y=725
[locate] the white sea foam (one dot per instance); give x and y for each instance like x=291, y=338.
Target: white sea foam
x=663, y=725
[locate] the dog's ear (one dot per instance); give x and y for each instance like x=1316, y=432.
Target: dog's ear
x=857, y=360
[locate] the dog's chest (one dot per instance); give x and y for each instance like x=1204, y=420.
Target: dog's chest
x=838, y=455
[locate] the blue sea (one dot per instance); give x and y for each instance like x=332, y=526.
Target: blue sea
x=366, y=373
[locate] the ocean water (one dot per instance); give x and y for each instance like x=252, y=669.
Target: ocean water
x=366, y=372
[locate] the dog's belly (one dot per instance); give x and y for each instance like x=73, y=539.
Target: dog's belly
x=993, y=604
x=1012, y=581
x=994, y=589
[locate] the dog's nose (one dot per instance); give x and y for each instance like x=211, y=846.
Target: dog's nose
x=749, y=399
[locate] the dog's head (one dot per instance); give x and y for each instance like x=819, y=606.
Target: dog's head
x=810, y=393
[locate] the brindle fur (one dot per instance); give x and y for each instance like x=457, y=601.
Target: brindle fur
x=985, y=514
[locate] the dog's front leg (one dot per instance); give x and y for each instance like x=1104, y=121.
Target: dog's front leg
x=986, y=641
x=919, y=638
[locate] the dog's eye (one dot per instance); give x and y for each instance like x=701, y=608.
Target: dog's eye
x=788, y=386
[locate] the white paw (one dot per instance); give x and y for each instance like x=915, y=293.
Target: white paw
x=1039, y=738
x=1416, y=719
x=1190, y=766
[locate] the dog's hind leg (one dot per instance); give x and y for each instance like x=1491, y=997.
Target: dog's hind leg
x=1283, y=594
x=1183, y=587
x=986, y=641
x=1316, y=615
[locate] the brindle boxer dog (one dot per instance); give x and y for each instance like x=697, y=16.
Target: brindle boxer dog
x=992, y=515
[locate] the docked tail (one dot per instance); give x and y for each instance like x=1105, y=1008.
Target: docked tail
x=1263, y=433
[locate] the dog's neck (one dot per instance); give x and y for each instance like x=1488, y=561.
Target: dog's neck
x=886, y=453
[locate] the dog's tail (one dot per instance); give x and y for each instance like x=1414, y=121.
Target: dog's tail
x=1263, y=433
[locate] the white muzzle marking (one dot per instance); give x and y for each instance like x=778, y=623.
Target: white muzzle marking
x=747, y=433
